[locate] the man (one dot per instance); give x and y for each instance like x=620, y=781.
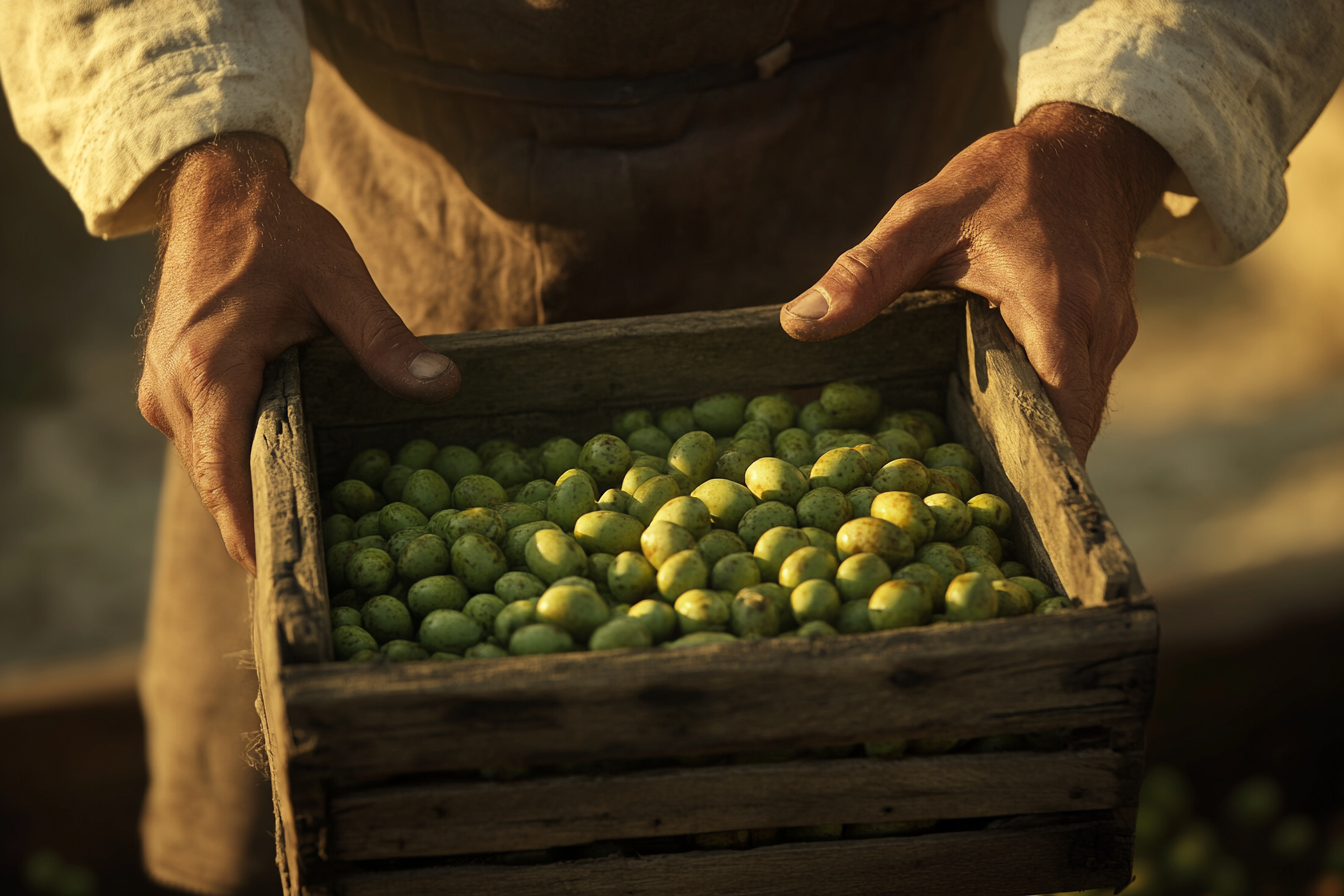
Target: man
x=502, y=164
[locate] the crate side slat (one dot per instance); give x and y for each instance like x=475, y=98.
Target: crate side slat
x=564, y=367
x=456, y=818
x=1078, y=669
x=289, y=615
x=1061, y=857
x=1088, y=555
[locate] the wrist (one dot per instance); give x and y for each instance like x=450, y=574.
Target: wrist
x=230, y=172
x=1108, y=153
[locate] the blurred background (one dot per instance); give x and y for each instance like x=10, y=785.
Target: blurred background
x=1222, y=466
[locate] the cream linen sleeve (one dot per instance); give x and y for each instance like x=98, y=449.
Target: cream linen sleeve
x=106, y=91
x=1228, y=87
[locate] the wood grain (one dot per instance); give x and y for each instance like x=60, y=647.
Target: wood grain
x=1060, y=857
x=1088, y=556
x=454, y=818
x=634, y=361
x=1068, y=670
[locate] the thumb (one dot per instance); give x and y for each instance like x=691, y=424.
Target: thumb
x=869, y=277
x=359, y=316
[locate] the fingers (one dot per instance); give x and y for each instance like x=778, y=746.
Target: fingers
x=908, y=242
x=357, y=314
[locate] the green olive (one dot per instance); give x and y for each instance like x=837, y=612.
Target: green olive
x=815, y=600
x=510, y=469
x=630, y=577
x=861, y=500
x=367, y=525
x=853, y=618
x=693, y=455
x=676, y=422
x=551, y=555
x=386, y=618
x=900, y=445
x=719, y=543
x=1014, y=600
x=971, y=596
x=425, y=556
x=403, y=651
x=983, y=538
x=478, y=491
x=337, y=556
x=637, y=475
x=1039, y=591
x=482, y=609
x=952, y=454
x=992, y=512
x=370, y=466
x=658, y=617
x=776, y=546
x=732, y=465
x=354, y=498
x=650, y=440
x=348, y=640
x=538, y=490
x=753, y=614
x=805, y=564
x=537, y=639
x=850, y=404
x=484, y=521
x=772, y=479
x=394, y=481
x=417, y=454
x=1012, y=568
x=944, y=558
x=794, y=446
x=627, y=422
x=371, y=571
x=824, y=508
x=860, y=574
x=911, y=424
x=899, y=604
x=397, y=516
x=735, y=572
x=966, y=482
x=514, y=543
x=485, y=652
x=436, y=593
x=513, y=514
x=573, y=608
x=762, y=518
x=950, y=516
x=820, y=538
x=662, y=539
x=606, y=458
x=700, y=639
x=777, y=412
x=903, y=475
x=726, y=501
x=691, y=513
x=700, y=610
x=478, y=562
x=870, y=535
x=814, y=418
x=456, y=462
x=907, y=510
x=839, y=468
x=720, y=415
x=650, y=497
x=513, y=617
x=572, y=498
x=682, y=572
x=942, y=484
x=345, y=616
x=617, y=634
x=1056, y=604
x=927, y=577
x=603, y=531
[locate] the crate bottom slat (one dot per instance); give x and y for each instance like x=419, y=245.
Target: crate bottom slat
x=459, y=818
x=1060, y=857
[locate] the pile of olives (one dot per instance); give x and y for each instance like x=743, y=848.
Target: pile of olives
x=728, y=520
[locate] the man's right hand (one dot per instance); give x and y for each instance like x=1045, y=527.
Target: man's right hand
x=249, y=266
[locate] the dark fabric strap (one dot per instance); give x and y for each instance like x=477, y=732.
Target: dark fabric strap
x=339, y=40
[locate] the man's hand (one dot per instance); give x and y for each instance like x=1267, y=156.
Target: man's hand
x=249, y=266
x=1039, y=219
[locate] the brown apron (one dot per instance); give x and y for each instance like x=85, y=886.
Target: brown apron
x=502, y=165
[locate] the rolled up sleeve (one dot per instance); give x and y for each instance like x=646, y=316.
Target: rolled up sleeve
x=107, y=91
x=1227, y=88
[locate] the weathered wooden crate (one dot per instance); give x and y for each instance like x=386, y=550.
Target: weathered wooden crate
x=366, y=759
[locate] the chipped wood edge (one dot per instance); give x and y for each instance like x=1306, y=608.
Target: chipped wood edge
x=1035, y=454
